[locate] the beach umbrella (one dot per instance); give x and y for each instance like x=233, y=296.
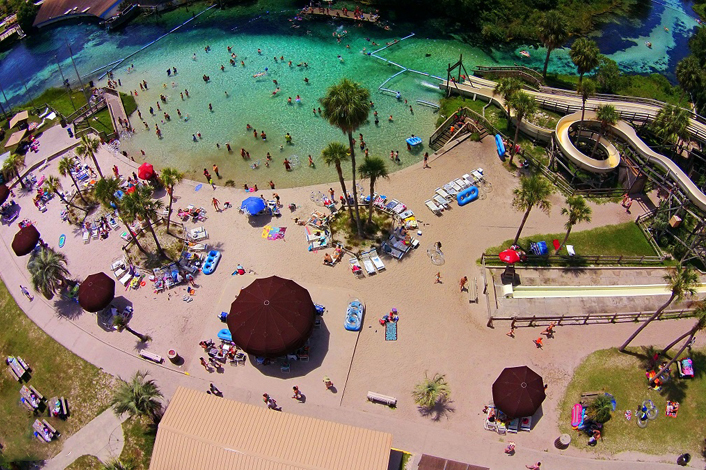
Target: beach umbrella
x=271, y=317
x=146, y=171
x=509, y=256
x=4, y=193
x=518, y=392
x=96, y=292
x=25, y=240
x=253, y=205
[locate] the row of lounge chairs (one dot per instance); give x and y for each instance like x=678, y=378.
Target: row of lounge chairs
x=371, y=261
x=93, y=229
x=397, y=209
x=446, y=194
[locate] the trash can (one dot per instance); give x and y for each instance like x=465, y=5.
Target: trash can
x=173, y=356
x=563, y=441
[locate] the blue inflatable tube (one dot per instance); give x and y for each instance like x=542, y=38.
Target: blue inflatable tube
x=225, y=335
x=500, y=145
x=214, y=256
x=467, y=195
x=414, y=141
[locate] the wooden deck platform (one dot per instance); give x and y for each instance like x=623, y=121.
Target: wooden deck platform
x=338, y=13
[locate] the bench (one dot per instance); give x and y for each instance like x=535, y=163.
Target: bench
x=384, y=399
x=473, y=292
x=14, y=373
x=151, y=356
x=58, y=407
x=39, y=395
x=51, y=428
x=589, y=397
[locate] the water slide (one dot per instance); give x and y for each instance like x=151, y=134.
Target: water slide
x=483, y=87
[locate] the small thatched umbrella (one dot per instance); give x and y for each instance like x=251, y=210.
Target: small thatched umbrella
x=4, y=193
x=518, y=391
x=25, y=240
x=96, y=292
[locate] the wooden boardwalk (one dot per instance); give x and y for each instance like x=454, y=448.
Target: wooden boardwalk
x=338, y=13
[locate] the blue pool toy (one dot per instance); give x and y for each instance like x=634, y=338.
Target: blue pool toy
x=467, y=195
x=354, y=315
x=500, y=145
x=225, y=335
x=62, y=240
x=413, y=141
x=214, y=256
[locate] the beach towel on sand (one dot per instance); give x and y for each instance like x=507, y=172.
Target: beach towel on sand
x=391, y=331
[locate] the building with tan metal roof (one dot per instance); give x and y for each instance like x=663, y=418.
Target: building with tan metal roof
x=202, y=431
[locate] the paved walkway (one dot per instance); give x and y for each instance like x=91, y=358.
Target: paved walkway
x=102, y=437
x=115, y=107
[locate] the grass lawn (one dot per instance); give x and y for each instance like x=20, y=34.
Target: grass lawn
x=55, y=372
x=86, y=462
x=101, y=121
x=611, y=240
x=59, y=99
x=623, y=376
x=139, y=434
x=129, y=103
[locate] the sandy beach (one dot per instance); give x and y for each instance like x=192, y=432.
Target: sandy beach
x=438, y=331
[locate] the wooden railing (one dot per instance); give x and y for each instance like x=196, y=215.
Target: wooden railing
x=493, y=260
x=591, y=318
x=526, y=73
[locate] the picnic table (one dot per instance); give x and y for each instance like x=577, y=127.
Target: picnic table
x=30, y=397
x=17, y=366
x=43, y=430
x=58, y=407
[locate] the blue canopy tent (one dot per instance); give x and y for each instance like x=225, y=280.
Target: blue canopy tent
x=253, y=206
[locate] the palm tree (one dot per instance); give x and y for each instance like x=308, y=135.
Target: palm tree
x=601, y=408
x=585, y=55
x=53, y=185
x=586, y=89
x=121, y=323
x=682, y=282
x=139, y=397
x=13, y=166
x=671, y=124
x=117, y=465
x=553, y=32
x=577, y=211
x=346, y=106
x=506, y=88
x=523, y=105
x=334, y=154
x=88, y=148
x=106, y=191
x=170, y=177
x=48, y=271
x=608, y=116
x=533, y=191
x=66, y=165
x=373, y=168
x=430, y=391
x=140, y=205
x=689, y=74
x=700, y=324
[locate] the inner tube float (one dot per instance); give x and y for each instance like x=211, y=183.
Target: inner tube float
x=467, y=195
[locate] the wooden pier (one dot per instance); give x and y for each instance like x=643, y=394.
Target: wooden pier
x=338, y=13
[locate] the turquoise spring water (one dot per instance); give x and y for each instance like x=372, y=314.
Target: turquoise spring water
x=31, y=66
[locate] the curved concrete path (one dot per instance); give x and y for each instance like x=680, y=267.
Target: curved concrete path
x=102, y=437
x=486, y=88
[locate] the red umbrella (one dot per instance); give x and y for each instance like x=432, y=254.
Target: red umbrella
x=4, y=193
x=518, y=392
x=509, y=256
x=271, y=317
x=146, y=171
x=25, y=240
x=96, y=292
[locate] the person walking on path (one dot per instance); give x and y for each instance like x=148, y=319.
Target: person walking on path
x=297, y=394
x=216, y=203
x=207, y=175
x=438, y=278
x=536, y=466
x=328, y=383
x=463, y=282
x=511, y=333
x=538, y=342
x=210, y=181
x=549, y=331
x=215, y=170
x=26, y=293
x=205, y=364
x=271, y=403
x=426, y=160
x=510, y=449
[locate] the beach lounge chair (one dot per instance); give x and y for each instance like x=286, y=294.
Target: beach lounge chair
x=455, y=186
x=526, y=423
x=462, y=183
x=443, y=194
x=379, y=265
x=441, y=201
x=126, y=236
x=433, y=207
x=94, y=230
x=356, y=268
x=513, y=425
x=369, y=267
x=86, y=236
x=391, y=205
x=125, y=279
x=451, y=190
x=406, y=214
x=570, y=250
x=399, y=208
x=113, y=223
x=380, y=202
x=410, y=222
x=198, y=233
x=502, y=428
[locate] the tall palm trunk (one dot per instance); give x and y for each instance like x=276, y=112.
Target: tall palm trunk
x=154, y=235
x=671, y=345
x=583, y=110
x=169, y=212
x=598, y=141
x=546, y=63
x=647, y=322
x=134, y=237
x=566, y=237
x=95, y=162
x=676, y=356
x=514, y=142
x=63, y=199
x=343, y=188
x=522, y=225
x=142, y=337
x=78, y=190
x=370, y=204
x=359, y=225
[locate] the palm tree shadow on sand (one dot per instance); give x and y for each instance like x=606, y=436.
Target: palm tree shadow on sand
x=441, y=409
